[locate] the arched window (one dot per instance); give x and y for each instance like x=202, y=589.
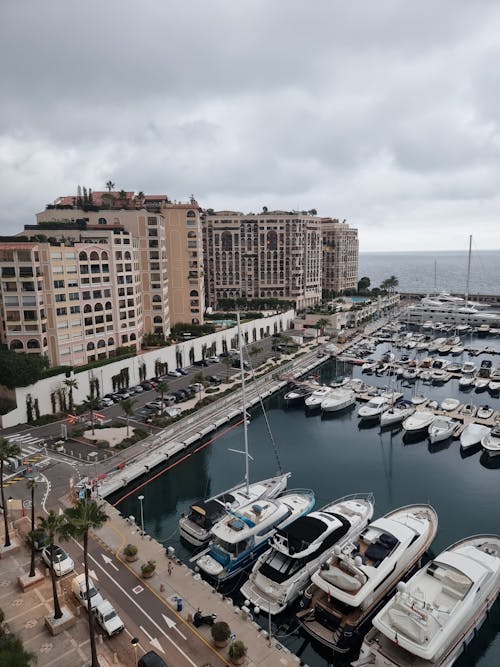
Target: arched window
x=227, y=241
x=45, y=342
x=82, y=257
x=111, y=341
x=272, y=240
x=193, y=292
x=98, y=307
x=191, y=214
x=16, y=345
x=127, y=255
x=191, y=235
x=94, y=257
x=90, y=346
x=101, y=343
x=156, y=298
x=32, y=344
x=108, y=305
x=104, y=256
x=102, y=221
x=157, y=319
x=132, y=336
x=87, y=308
x=195, y=320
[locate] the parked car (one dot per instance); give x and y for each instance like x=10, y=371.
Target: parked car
x=214, y=379
x=151, y=659
x=106, y=402
x=122, y=393
x=236, y=364
x=63, y=563
x=182, y=371
x=113, y=397
x=197, y=386
x=80, y=592
x=147, y=385
x=214, y=359
x=173, y=412
x=138, y=389
x=200, y=362
x=174, y=374
x=189, y=391
x=108, y=619
x=179, y=396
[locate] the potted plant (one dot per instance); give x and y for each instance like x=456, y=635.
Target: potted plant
x=220, y=633
x=130, y=553
x=148, y=569
x=237, y=652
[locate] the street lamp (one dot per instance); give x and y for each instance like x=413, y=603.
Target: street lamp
x=134, y=641
x=141, y=498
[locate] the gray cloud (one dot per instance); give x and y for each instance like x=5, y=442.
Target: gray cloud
x=386, y=114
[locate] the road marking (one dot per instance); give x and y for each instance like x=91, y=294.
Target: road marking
x=172, y=624
x=108, y=561
x=143, y=612
x=154, y=641
x=137, y=590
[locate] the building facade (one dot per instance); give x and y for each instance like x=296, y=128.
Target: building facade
x=340, y=257
x=269, y=255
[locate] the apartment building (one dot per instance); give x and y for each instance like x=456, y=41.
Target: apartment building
x=275, y=254
x=340, y=257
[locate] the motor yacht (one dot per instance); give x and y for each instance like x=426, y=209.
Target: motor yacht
x=359, y=577
x=397, y=413
x=418, y=399
x=240, y=536
x=457, y=349
x=450, y=404
x=313, y=402
x=472, y=435
x=484, y=412
x=469, y=367
x=418, y=421
x=369, y=366
x=381, y=368
x=485, y=368
x=298, y=394
x=426, y=376
x=374, y=408
x=481, y=383
x=411, y=373
x=431, y=619
x=439, y=376
x=436, y=344
x=454, y=368
x=442, y=428
x=338, y=399
x=280, y=574
x=195, y=526
x=491, y=442
x=467, y=381
x=494, y=384
x=468, y=410
x=340, y=381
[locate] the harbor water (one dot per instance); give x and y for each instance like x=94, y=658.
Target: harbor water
x=336, y=456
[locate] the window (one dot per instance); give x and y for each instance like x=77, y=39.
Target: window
x=59, y=298
x=74, y=309
x=102, y=221
x=55, y=269
x=61, y=311
x=74, y=296
x=56, y=255
x=71, y=269
x=8, y=272
x=70, y=255
x=58, y=284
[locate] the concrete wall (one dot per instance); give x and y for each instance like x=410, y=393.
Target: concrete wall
x=256, y=330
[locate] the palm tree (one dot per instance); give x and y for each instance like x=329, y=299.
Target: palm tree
x=53, y=525
x=110, y=185
x=71, y=383
x=92, y=403
x=7, y=450
x=12, y=652
x=321, y=324
x=31, y=484
x=85, y=516
x=162, y=389
x=127, y=405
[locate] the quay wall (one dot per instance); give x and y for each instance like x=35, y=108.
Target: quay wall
x=174, y=355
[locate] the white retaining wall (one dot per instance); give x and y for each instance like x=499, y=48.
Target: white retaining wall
x=256, y=329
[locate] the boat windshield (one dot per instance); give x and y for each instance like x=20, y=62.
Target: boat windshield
x=232, y=548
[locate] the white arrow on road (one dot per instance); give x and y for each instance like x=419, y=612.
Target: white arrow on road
x=154, y=641
x=92, y=573
x=171, y=624
x=108, y=561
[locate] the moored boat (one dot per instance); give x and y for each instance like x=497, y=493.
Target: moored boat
x=313, y=402
x=431, y=619
x=397, y=413
x=450, y=404
x=491, y=442
x=418, y=421
x=442, y=428
x=472, y=435
x=298, y=394
x=374, y=408
x=338, y=399
x=348, y=590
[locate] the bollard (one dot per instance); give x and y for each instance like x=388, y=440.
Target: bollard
x=115, y=658
x=99, y=638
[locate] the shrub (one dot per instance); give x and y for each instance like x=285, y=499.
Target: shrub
x=148, y=568
x=130, y=550
x=220, y=631
x=237, y=650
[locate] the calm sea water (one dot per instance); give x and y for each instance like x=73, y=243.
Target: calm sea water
x=336, y=456
x=424, y=271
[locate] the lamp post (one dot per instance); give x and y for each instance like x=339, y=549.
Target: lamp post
x=141, y=498
x=134, y=641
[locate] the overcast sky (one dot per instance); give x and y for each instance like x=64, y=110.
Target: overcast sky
x=385, y=114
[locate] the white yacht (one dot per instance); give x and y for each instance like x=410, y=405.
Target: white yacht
x=351, y=586
x=418, y=399
x=469, y=367
x=374, y=408
x=454, y=314
x=467, y=380
x=442, y=428
x=299, y=393
x=411, y=373
x=472, y=435
x=491, y=442
x=239, y=537
x=397, y=413
x=196, y=525
x=418, y=421
x=313, y=402
x=281, y=573
x=338, y=399
x=468, y=410
x=484, y=412
x=431, y=619
x=449, y=404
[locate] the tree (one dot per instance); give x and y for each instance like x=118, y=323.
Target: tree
x=162, y=389
x=92, y=403
x=21, y=370
x=264, y=209
x=122, y=195
x=85, y=516
x=7, y=451
x=53, y=525
x=31, y=484
x=363, y=284
x=127, y=405
x=71, y=383
x=13, y=653
x=110, y=185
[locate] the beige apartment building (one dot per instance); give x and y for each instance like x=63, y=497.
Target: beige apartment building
x=274, y=254
x=340, y=257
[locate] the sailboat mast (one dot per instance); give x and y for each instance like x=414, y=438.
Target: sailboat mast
x=468, y=273
x=244, y=401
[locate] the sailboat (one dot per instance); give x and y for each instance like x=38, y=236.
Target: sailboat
x=196, y=525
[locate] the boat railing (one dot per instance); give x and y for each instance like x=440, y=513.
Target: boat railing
x=287, y=492
x=367, y=496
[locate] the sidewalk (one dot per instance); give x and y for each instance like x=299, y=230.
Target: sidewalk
x=184, y=583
